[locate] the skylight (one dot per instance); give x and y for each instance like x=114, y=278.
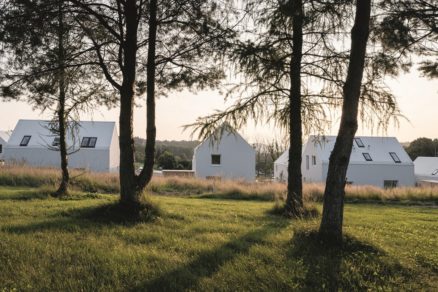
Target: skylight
x=435, y=172
x=25, y=140
x=395, y=157
x=367, y=156
x=359, y=142
x=88, y=142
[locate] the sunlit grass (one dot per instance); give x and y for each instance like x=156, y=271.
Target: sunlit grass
x=208, y=244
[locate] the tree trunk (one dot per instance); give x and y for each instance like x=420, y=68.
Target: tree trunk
x=148, y=167
x=333, y=209
x=63, y=187
x=128, y=184
x=294, y=201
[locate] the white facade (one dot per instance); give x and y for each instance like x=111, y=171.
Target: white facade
x=377, y=161
x=426, y=170
x=229, y=157
x=4, y=137
x=94, y=146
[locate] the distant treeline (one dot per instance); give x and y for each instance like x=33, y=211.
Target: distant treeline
x=168, y=154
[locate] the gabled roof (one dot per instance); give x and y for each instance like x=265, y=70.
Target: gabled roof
x=426, y=167
x=42, y=137
x=378, y=148
x=283, y=158
x=4, y=136
x=223, y=131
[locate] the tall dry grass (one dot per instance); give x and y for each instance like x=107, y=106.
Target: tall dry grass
x=185, y=186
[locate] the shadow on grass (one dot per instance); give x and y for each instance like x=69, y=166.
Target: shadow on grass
x=92, y=218
x=237, y=196
x=207, y=263
x=46, y=192
x=356, y=266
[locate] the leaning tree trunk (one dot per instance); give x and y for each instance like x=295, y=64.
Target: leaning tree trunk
x=151, y=131
x=333, y=209
x=294, y=201
x=63, y=187
x=128, y=184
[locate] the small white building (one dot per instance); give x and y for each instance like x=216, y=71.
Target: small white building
x=426, y=170
x=94, y=146
x=227, y=156
x=377, y=161
x=4, y=137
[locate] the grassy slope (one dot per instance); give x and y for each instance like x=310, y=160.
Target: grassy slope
x=208, y=244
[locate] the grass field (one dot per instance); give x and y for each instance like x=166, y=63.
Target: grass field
x=209, y=244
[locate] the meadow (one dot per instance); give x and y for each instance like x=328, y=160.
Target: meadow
x=209, y=244
x=21, y=176
x=209, y=236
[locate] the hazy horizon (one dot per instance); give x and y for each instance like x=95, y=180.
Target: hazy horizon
x=416, y=97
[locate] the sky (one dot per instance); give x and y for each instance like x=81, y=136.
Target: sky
x=417, y=97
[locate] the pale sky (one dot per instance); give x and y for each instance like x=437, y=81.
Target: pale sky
x=417, y=98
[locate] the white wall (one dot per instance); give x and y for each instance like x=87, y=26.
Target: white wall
x=280, y=172
x=375, y=174
x=237, y=159
x=114, y=153
x=313, y=173
x=3, y=143
x=89, y=158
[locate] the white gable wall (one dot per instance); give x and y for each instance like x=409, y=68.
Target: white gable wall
x=114, y=153
x=237, y=158
x=4, y=137
x=426, y=169
x=38, y=154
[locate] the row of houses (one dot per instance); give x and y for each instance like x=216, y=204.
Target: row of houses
x=378, y=161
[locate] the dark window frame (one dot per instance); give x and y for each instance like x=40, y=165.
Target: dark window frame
x=359, y=142
x=88, y=142
x=56, y=141
x=313, y=160
x=367, y=156
x=25, y=141
x=1, y=148
x=395, y=157
x=390, y=183
x=216, y=159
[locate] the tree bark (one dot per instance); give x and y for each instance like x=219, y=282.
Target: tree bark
x=148, y=167
x=63, y=187
x=333, y=209
x=128, y=183
x=294, y=200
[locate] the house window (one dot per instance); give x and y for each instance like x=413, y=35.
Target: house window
x=55, y=142
x=367, y=156
x=216, y=159
x=359, y=142
x=25, y=140
x=88, y=142
x=1, y=148
x=307, y=162
x=313, y=160
x=435, y=172
x=390, y=183
x=395, y=157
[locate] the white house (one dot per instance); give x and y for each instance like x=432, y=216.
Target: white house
x=378, y=161
x=426, y=170
x=93, y=146
x=228, y=156
x=4, y=137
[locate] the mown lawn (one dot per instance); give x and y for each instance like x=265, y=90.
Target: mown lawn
x=209, y=244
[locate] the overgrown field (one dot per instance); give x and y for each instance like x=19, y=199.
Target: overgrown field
x=206, y=244
x=265, y=191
